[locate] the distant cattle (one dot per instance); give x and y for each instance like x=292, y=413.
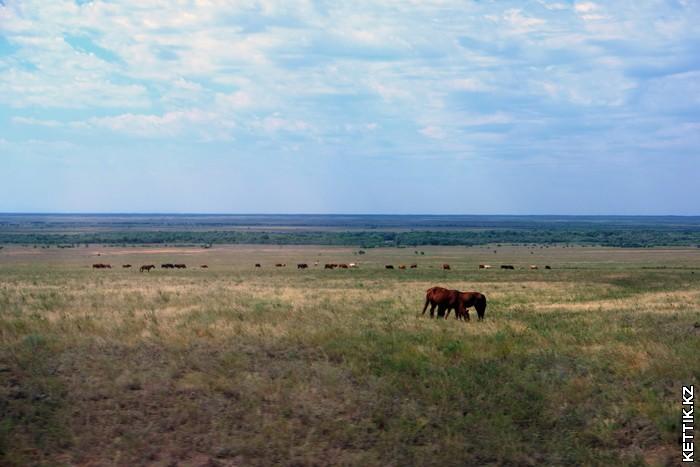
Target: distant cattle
x=126, y=265
x=281, y=265
x=548, y=267
x=343, y=266
x=101, y=266
x=167, y=266
x=302, y=266
x=414, y=266
x=446, y=300
x=533, y=266
x=352, y=265
x=180, y=266
x=446, y=267
x=315, y=263
x=484, y=266
x=507, y=266
x=402, y=266
x=204, y=266
x=257, y=265
x=147, y=267
x=389, y=266
x=330, y=266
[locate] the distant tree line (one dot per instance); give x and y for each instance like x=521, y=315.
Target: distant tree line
x=371, y=239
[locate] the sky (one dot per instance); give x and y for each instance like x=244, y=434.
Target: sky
x=377, y=106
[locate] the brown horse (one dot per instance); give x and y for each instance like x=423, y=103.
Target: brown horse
x=446, y=267
x=147, y=267
x=446, y=300
x=470, y=299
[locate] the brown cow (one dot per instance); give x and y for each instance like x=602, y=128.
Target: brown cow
x=446, y=300
x=446, y=267
x=147, y=267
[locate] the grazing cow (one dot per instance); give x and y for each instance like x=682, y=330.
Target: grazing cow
x=302, y=266
x=126, y=265
x=533, y=266
x=446, y=300
x=414, y=266
x=147, y=267
x=402, y=266
x=281, y=265
x=507, y=266
x=343, y=266
x=446, y=267
x=389, y=266
x=548, y=267
x=204, y=266
x=257, y=265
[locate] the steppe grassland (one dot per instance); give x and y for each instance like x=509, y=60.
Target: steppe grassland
x=580, y=364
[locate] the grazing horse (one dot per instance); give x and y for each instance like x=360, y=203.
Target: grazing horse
x=167, y=266
x=548, y=267
x=147, y=267
x=389, y=266
x=414, y=266
x=446, y=300
x=402, y=266
x=446, y=267
x=281, y=265
x=204, y=266
x=507, y=266
x=180, y=266
x=258, y=265
x=126, y=265
x=101, y=266
x=533, y=266
x=352, y=265
x=302, y=266
x=330, y=266
x=343, y=266
x=469, y=299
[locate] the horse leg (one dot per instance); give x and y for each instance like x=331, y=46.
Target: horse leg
x=432, y=309
x=441, y=311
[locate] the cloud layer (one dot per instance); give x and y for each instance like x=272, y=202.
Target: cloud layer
x=533, y=84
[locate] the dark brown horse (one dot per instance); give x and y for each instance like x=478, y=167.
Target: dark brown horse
x=147, y=267
x=446, y=267
x=446, y=300
x=470, y=299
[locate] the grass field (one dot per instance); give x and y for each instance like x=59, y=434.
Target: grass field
x=232, y=365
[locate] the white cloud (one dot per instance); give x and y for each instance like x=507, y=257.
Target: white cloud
x=433, y=132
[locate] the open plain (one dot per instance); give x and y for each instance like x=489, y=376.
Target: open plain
x=580, y=364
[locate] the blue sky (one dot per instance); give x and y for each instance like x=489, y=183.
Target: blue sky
x=411, y=106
